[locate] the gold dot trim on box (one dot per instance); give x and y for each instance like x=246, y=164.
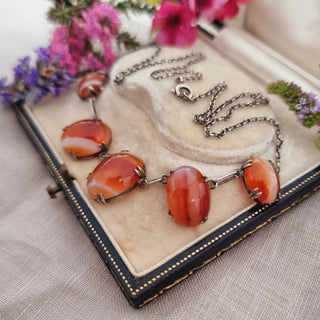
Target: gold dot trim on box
x=183, y=260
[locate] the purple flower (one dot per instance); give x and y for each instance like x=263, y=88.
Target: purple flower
x=32, y=83
x=43, y=55
x=55, y=91
x=7, y=97
x=19, y=71
x=305, y=105
x=63, y=82
x=31, y=78
x=305, y=110
x=25, y=61
x=316, y=107
x=2, y=84
x=35, y=94
x=303, y=101
x=312, y=96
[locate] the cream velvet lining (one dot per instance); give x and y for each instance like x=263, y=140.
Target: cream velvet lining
x=150, y=122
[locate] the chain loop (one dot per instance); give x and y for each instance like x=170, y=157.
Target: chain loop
x=192, y=58
x=213, y=184
x=210, y=117
x=145, y=182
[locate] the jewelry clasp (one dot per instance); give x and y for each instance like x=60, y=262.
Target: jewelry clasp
x=183, y=91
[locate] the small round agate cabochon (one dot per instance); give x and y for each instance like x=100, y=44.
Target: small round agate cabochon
x=91, y=81
x=86, y=138
x=262, y=175
x=188, y=196
x=114, y=176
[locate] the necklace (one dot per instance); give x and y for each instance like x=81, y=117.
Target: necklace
x=187, y=189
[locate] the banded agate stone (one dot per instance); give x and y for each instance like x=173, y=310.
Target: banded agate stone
x=188, y=196
x=262, y=175
x=93, y=80
x=86, y=138
x=114, y=176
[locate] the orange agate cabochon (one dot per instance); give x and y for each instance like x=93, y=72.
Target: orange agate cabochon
x=86, y=138
x=114, y=176
x=93, y=81
x=188, y=196
x=262, y=175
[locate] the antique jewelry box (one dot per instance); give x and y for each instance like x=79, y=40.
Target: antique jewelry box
x=146, y=251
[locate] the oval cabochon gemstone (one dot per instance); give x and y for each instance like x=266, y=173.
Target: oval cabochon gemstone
x=114, y=176
x=86, y=138
x=262, y=175
x=188, y=196
x=92, y=80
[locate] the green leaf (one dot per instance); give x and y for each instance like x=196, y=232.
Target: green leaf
x=309, y=122
x=134, y=6
x=127, y=40
x=64, y=11
x=289, y=92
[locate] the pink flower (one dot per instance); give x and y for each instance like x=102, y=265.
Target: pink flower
x=101, y=18
x=87, y=44
x=60, y=47
x=107, y=16
x=175, y=24
x=91, y=25
x=95, y=61
x=76, y=46
x=230, y=9
x=208, y=9
x=91, y=62
x=109, y=57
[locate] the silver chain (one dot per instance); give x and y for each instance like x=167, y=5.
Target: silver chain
x=209, y=117
x=192, y=58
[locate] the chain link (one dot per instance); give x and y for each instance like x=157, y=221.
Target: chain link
x=191, y=75
x=224, y=131
x=210, y=116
